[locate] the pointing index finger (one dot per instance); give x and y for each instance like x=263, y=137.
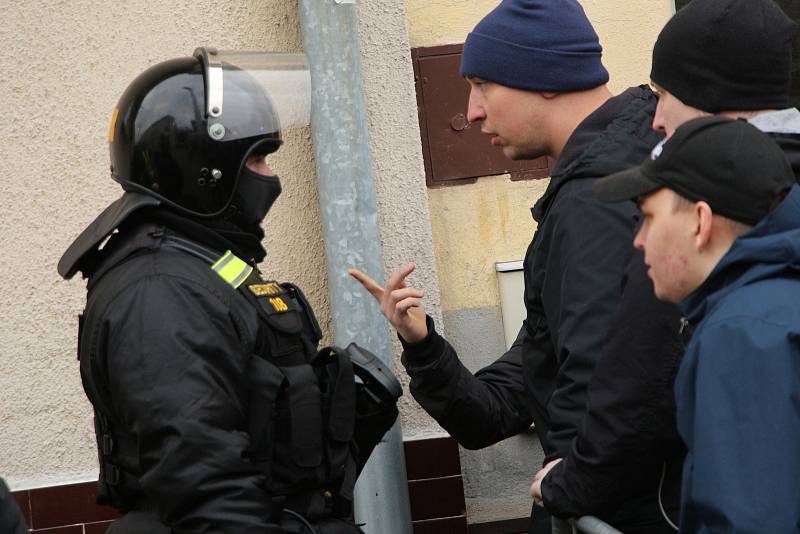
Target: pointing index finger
x=369, y=284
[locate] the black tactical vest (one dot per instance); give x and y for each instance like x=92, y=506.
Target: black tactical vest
x=305, y=405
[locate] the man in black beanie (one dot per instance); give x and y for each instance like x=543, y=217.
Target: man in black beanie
x=731, y=58
x=538, y=87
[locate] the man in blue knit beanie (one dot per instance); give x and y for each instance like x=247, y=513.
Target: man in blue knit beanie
x=536, y=45
x=538, y=88
x=540, y=55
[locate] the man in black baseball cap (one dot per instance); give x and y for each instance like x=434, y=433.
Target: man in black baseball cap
x=720, y=232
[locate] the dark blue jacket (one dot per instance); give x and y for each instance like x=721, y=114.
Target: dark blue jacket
x=738, y=388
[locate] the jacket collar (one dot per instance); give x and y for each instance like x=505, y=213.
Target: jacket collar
x=782, y=121
x=784, y=128
x=616, y=136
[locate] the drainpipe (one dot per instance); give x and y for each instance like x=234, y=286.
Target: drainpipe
x=349, y=214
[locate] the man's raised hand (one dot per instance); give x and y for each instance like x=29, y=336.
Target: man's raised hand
x=400, y=304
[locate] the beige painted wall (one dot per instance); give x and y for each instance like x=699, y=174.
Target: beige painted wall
x=475, y=226
x=489, y=220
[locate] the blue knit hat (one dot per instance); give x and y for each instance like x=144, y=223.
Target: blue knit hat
x=538, y=45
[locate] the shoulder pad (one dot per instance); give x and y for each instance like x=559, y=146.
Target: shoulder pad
x=105, y=223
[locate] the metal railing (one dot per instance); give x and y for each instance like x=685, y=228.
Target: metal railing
x=591, y=525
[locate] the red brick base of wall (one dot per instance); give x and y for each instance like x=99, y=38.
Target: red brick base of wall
x=69, y=509
x=435, y=487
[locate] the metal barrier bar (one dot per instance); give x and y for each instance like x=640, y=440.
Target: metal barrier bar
x=591, y=525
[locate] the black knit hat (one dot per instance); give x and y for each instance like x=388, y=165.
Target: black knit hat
x=730, y=164
x=726, y=55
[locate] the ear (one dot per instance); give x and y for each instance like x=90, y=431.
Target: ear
x=704, y=220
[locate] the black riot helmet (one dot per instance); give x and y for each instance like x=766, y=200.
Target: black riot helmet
x=184, y=128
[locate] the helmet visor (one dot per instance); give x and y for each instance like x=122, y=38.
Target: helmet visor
x=255, y=94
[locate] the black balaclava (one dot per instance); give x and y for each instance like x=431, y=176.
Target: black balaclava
x=241, y=224
x=254, y=196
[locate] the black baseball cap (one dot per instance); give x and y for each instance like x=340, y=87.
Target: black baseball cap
x=730, y=164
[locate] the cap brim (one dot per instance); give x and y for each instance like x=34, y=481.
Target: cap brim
x=626, y=185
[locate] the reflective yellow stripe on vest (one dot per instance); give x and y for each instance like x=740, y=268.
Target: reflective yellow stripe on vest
x=232, y=269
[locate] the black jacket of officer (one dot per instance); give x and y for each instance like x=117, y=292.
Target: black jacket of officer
x=11, y=520
x=214, y=411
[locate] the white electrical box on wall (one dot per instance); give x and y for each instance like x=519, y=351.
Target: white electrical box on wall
x=512, y=297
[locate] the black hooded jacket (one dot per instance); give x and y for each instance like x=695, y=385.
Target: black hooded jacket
x=207, y=411
x=166, y=351
x=590, y=310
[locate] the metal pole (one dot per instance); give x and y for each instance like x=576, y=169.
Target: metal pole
x=349, y=214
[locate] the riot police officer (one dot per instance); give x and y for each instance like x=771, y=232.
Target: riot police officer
x=214, y=411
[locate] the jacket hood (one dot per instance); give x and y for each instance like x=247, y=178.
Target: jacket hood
x=784, y=127
x=771, y=248
x=617, y=136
